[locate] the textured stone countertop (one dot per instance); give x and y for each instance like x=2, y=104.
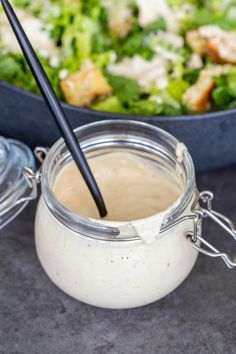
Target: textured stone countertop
x=199, y=317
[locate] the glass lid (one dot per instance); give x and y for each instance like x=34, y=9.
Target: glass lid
x=14, y=157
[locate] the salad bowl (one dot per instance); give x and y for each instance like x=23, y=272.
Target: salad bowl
x=210, y=137
x=165, y=62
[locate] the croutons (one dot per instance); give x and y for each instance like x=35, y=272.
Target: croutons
x=219, y=44
x=198, y=96
x=223, y=50
x=120, y=18
x=120, y=23
x=196, y=42
x=84, y=86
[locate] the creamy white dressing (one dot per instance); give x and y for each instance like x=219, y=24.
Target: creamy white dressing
x=132, y=187
x=167, y=45
x=63, y=74
x=162, y=82
x=171, y=38
x=195, y=61
x=147, y=73
x=183, y=12
x=180, y=150
x=110, y=4
x=167, y=54
x=33, y=27
x=210, y=31
x=117, y=274
x=113, y=274
x=156, y=99
x=150, y=10
x=215, y=70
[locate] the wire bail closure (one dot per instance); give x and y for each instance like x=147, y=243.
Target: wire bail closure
x=32, y=179
x=204, y=203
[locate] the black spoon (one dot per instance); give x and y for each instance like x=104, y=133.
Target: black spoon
x=55, y=107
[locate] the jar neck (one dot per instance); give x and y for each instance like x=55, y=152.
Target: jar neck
x=106, y=136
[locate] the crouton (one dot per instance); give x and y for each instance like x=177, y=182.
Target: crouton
x=219, y=44
x=84, y=86
x=196, y=42
x=120, y=17
x=120, y=23
x=222, y=50
x=198, y=96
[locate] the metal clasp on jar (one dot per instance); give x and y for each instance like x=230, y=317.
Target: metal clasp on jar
x=32, y=180
x=202, y=209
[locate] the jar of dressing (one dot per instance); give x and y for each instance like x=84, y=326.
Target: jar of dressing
x=136, y=256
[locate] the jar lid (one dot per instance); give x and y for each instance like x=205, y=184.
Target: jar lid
x=14, y=157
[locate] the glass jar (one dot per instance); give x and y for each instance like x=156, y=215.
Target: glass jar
x=120, y=264
x=112, y=264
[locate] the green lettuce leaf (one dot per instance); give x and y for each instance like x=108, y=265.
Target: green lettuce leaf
x=110, y=104
x=125, y=89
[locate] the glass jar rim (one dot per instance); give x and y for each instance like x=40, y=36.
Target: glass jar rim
x=99, y=229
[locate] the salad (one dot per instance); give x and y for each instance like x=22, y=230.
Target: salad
x=142, y=57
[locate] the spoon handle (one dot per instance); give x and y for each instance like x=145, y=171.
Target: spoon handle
x=55, y=107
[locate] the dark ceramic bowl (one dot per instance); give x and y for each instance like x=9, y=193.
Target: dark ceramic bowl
x=211, y=138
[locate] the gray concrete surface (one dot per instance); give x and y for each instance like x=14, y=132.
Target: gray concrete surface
x=199, y=317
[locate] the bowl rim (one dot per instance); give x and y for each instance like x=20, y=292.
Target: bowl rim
x=107, y=115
